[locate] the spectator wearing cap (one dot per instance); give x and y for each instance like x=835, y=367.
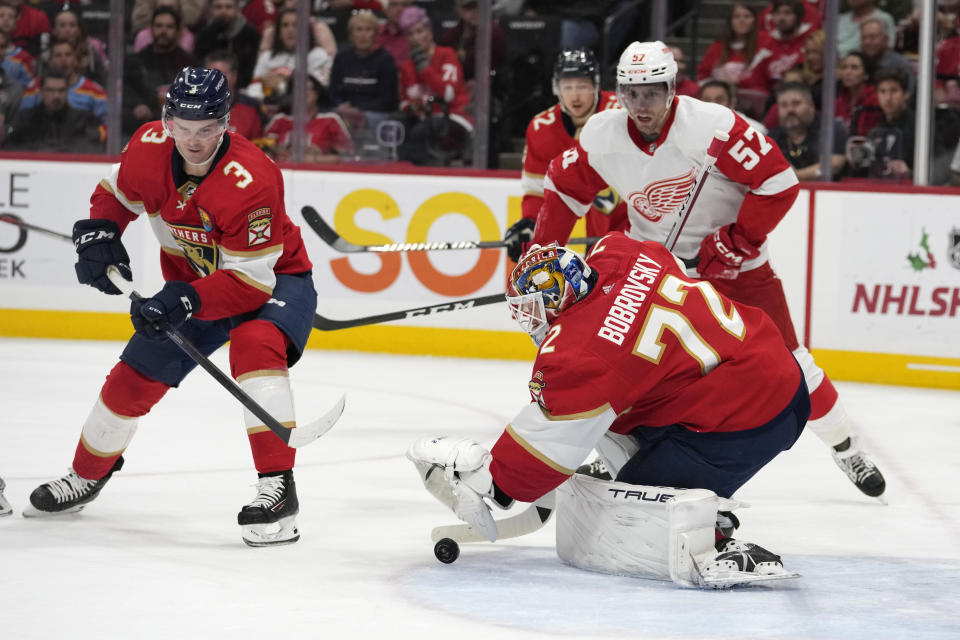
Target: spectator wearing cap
x=390, y=36
x=363, y=80
x=462, y=38
x=432, y=93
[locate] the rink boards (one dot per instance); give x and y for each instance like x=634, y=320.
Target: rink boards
x=872, y=276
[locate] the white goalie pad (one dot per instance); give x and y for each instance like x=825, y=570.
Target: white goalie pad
x=636, y=530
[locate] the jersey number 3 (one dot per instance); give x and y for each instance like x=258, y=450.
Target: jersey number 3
x=240, y=171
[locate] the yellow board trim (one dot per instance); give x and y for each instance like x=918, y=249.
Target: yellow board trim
x=890, y=368
x=881, y=368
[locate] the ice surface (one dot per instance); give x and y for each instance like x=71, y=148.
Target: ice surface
x=159, y=555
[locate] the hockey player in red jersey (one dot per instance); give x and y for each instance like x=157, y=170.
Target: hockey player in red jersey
x=650, y=151
x=689, y=389
x=576, y=83
x=227, y=249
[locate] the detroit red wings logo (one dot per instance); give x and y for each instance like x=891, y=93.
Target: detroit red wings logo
x=663, y=197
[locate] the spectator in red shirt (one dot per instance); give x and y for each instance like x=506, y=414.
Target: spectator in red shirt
x=391, y=35
x=432, y=94
x=246, y=114
x=856, y=102
x=327, y=135
x=685, y=86
x=727, y=58
x=811, y=20
x=782, y=50
x=31, y=24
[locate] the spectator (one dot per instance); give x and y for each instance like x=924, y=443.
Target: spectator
x=390, y=36
x=433, y=95
x=274, y=67
x=727, y=58
x=11, y=93
x=892, y=140
x=186, y=39
x=848, y=24
x=228, y=29
x=875, y=45
x=31, y=25
x=948, y=15
x=363, y=81
x=17, y=63
x=191, y=13
x=91, y=52
x=322, y=34
x=798, y=134
x=782, y=50
x=327, y=135
x=53, y=125
x=813, y=63
x=720, y=92
x=811, y=18
x=462, y=38
x=947, y=58
x=246, y=113
x=856, y=104
x=82, y=93
x=147, y=73
x=684, y=85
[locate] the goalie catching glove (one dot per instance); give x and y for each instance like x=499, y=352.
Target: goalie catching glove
x=457, y=473
x=722, y=253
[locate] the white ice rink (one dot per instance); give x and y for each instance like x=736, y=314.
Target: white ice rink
x=159, y=555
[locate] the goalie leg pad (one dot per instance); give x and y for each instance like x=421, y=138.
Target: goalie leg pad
x=636, y=530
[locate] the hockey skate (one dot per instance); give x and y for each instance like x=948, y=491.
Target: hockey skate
x=859, y=468
x=727, y=523
x=738, y=563
x=271, y=518
x=595, y=469
x=5, y=508
x=68, y=494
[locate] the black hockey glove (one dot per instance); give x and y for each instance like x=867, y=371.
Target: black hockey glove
x=170, y=308
x=420, y=58
x=99, y=246
x=518, y=236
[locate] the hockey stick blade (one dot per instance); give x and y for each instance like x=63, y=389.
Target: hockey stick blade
x=313, y=430
x=335, y=240
x=328, y=324
x=531, y=519
x=17, y=221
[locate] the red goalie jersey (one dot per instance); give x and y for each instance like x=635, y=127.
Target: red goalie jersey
x=227, y=233
x=647, y=347
x=548, y=135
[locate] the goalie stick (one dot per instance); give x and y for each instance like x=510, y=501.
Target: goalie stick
x=335, y=240
x=296, y=438
x=710, y=159
x=531, y=519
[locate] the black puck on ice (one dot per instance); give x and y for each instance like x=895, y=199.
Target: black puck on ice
x=446, y=550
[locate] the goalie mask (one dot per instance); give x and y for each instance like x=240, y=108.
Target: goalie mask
x=546, y=281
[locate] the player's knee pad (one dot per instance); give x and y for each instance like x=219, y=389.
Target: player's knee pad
x=256, y=345
x=636, y=530
x=106, y=433
x=130, y=394
x=615, y=449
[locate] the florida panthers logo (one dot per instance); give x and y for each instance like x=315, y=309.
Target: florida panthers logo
x=663, y=197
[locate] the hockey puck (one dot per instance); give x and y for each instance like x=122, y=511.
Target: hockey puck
x=446, y=550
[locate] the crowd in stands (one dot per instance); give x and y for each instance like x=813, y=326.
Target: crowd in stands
x=388, y=79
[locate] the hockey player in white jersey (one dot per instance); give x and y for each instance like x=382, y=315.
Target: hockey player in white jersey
x=650, y=152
